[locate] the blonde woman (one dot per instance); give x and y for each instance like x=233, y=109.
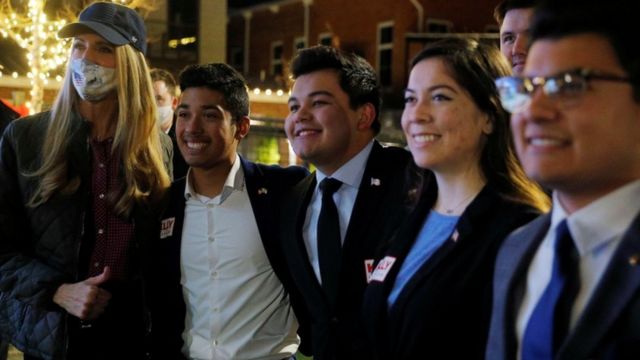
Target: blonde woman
x=78, y=186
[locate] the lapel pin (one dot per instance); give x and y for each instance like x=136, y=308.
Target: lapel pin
x=262, y=191
x=634, y=259
x=455, y=236
x=375, y=182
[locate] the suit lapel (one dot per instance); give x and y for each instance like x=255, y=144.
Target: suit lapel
x=258, y=190
x=299, y=257
x=171, y=227
x=614, y=291
x=372, y=187
x=513, y=267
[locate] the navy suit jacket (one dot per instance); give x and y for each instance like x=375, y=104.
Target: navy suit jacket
x=443, y=311
x=265, y=186
x=378, y=209
x=609, y=327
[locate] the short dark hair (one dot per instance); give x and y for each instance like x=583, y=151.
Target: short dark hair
x=169, y=80
x=223, y=79
x=505, y=5
x=475, y=66
x=617, y=23
x=356, y=76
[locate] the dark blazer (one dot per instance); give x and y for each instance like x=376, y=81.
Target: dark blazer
x=378, y=209
x=443, y=311
x=265, y=185
x=609, y=327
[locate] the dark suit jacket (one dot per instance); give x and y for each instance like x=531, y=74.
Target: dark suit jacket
x=443, y=311
x=265, y=185
x=378, y=209
x=609, y=327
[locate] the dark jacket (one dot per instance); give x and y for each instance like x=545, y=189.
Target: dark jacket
x=378, y=210
x=265, y=186
x=609, y=326
x=443, y=311
x=7, y=115
x=39, y=247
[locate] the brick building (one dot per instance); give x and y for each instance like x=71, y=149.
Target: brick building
x=263, y=38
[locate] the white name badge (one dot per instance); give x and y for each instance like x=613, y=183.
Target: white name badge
x=381, y=271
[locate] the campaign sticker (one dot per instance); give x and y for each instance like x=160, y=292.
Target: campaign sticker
x=368, y=269
x=166, y=227
x=381, y=271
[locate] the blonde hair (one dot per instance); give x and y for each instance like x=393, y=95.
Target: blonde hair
x=136, y=141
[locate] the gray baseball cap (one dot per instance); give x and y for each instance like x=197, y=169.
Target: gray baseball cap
x=118, y=24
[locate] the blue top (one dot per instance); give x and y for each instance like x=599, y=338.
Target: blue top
x=436, y=230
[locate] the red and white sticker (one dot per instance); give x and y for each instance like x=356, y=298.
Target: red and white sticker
x=166, y=227
x=381, y=271
x=368, y=269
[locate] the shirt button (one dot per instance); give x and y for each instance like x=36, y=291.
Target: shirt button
x=101, y=196
x=96, y=264
x=100, y=231
x=209, y=206
x=211, y=238
x=215, y=309
x=101, y=165
x=214, y=274
x=215, y=342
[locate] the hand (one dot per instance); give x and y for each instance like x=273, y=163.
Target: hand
x=84, y=300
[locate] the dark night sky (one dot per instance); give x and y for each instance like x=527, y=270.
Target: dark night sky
x=244, y=3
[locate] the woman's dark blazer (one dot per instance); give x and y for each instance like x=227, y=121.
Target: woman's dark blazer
x=443, y=312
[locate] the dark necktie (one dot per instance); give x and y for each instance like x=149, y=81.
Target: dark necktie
x=549, y=322
x=329, y=242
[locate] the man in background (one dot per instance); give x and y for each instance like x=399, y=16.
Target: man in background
x=165, y=91
x=514, y=17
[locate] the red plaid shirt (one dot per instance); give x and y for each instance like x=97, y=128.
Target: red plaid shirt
x=112, y=234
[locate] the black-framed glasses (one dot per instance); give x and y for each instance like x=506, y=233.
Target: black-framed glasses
x=568, y=87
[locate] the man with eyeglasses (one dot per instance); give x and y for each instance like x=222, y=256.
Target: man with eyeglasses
x=567, y=286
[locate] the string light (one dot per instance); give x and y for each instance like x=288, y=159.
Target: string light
x=35, y=33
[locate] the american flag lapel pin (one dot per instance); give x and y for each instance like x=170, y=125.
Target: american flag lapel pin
x=262, y=191
x=375, y=181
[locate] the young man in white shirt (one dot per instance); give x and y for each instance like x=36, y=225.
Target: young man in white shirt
x=217, y=275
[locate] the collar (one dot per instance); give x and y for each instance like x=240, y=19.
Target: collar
x=602, y=220
x=352, y=171
x=234, y=181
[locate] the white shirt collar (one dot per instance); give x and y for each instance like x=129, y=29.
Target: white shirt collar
x=234, y=181
x=352, y=171
x=602, y=220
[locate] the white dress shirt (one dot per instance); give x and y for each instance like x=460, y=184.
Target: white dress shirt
x=236, y=305
x=596, y=230
x=351, y=175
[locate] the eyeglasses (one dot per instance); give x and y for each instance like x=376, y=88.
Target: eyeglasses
x=567, y=88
